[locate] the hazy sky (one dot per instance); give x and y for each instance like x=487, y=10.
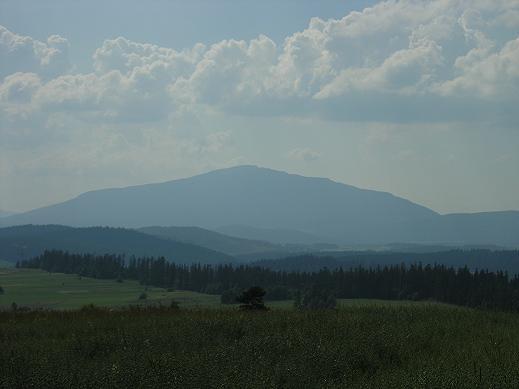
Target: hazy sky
x=418, y=98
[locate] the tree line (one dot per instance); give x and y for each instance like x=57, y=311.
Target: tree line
x=461, y=286
x=493, y=260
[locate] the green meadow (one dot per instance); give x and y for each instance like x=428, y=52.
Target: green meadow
x=34, y=288
x=148, y=344
x=5, y=264
x=39, y=289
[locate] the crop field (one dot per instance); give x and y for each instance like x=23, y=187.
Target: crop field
x=369, y=346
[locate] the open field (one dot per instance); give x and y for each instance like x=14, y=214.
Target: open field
x=364, y=343
x=5, y=264
x=369, y=346
x=39, y=289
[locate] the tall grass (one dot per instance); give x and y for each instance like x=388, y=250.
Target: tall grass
x=422, y=345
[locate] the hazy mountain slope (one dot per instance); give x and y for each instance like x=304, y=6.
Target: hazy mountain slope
x=245, y=195
x=484, y=228
x=6, y=213
x=278, y=236
x=210, y=239
x=22, y=242
x=273, y=200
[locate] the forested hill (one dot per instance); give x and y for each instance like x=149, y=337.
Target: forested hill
x=493, y=260
x=23, y=242
x=212, y=240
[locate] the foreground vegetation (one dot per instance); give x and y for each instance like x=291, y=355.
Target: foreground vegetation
x=391, y=345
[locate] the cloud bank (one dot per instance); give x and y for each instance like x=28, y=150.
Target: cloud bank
x=397, y=61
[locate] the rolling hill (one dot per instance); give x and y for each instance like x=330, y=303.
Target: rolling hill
x=278, y=236
x=22, y=242
x=213, y=240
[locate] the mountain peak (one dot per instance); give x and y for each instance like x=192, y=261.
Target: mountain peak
x=263, y=198
x=242, y=195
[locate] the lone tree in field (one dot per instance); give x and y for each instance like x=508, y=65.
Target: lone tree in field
x=252, y=299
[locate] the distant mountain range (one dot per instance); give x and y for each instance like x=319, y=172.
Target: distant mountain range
x=262, y=200
x=23, y=242
x=279, y=236
x=6, y=213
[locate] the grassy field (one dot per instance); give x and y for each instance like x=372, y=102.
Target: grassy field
x=364, y=343
x=364, y=346
x=39, y=289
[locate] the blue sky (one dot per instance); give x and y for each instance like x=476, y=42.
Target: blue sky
x=417, y=98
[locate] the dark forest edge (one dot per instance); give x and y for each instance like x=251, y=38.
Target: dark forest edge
x=438, y=282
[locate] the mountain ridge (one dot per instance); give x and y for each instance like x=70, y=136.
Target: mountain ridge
x=22, y=242
x=265, y=198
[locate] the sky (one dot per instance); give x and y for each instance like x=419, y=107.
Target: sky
x=416, y=98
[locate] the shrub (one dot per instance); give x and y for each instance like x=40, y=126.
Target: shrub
x=143, y=296
x=252, y=299
x=2, y=290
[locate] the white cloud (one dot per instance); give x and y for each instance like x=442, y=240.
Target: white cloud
x=229, y=72
x=405, y=60
x=491, y=76
x=25, y=54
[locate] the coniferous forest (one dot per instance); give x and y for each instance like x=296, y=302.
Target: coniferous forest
x=460, y=286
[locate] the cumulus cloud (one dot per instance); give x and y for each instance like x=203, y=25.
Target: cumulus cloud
x=396, y=61
x=24, y=54
x=16, y=96
x=495, y=75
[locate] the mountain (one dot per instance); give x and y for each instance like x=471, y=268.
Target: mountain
x=213, y=240
x=268, y=199
x=245, y=195
x=22, y=242
x=6, y=213
x=483, y=228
